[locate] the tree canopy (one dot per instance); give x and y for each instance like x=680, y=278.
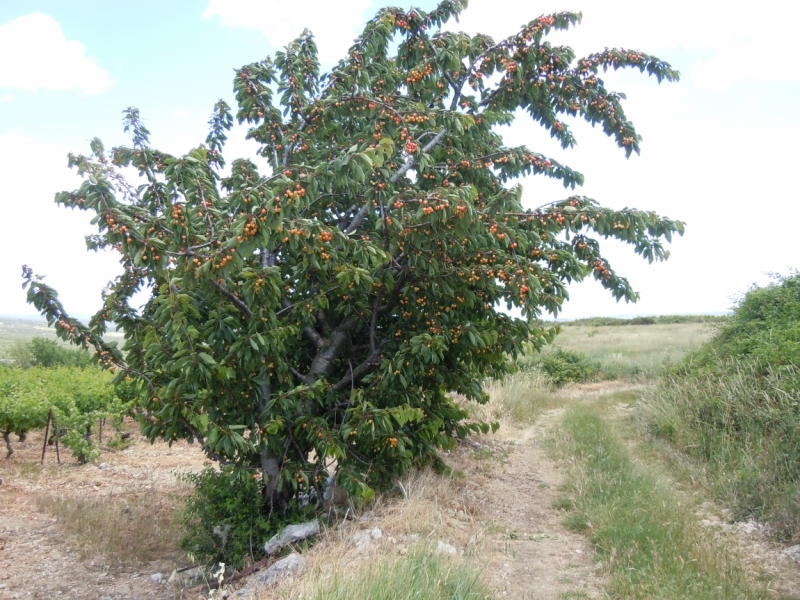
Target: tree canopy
x=311, y=320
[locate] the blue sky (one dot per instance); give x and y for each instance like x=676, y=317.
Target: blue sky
x=719, y=148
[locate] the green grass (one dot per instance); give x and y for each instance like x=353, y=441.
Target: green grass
x=634, y=351
x=739, y=430
x=733, y=406
x=423, y=574
x=652, y=545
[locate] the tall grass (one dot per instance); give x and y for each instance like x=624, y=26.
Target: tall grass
x=518, y=398
x=743, y=427
x=423, y=574
x=651, y=544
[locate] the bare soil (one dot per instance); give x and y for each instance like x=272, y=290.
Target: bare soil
x=37, y=558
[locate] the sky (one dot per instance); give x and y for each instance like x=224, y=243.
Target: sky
x=719, y=151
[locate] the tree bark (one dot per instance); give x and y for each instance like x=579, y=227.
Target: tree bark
x=7, y=439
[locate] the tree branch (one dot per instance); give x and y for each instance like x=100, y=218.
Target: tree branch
x=300, y=377
x=323, y=361
x=233, y=298
x=372, y=361
x=410, y=162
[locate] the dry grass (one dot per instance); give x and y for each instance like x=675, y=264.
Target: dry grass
x=516, y=400
x=130, y=530
x=634, y=350
x=427, y=507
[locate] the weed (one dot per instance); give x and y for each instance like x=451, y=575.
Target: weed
x=565, y=504
x=563, y=366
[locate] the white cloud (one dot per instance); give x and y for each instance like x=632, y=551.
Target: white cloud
x=35, y=54
x=335, y=25
x=6, y=98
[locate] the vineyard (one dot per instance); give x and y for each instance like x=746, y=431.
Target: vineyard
x=72, y=401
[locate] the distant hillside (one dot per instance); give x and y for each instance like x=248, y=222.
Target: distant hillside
x=655, y=320
x=14, y=329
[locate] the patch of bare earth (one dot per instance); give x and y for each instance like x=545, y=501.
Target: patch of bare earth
x=38, y=559
x=763, y=559
x=533, y=555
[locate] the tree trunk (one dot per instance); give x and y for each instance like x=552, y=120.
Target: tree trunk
x=7, y=439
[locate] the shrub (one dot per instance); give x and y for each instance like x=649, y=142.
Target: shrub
x=227, y=518
x=41, y=352
x=565, y=366
x=734, y=406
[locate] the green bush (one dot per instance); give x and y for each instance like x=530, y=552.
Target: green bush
x=228, y=520
x=764, y=330
x=734, y=405
x=643, y=321
x=563, y=366
x=41, y=352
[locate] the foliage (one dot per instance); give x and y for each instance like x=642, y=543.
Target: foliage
x=42, y=352
x=226, y=519
x=78, y=398
x=563, y=366
x=765, y=329
x=318, y=315
x=733, y=405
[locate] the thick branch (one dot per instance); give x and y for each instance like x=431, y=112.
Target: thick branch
x=410, y=162
x=372, y=361
x=300, y=377
x=233, y=298
x=323, y=361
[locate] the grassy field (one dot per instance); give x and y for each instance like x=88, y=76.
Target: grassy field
x=634, y=349
x=14, y=330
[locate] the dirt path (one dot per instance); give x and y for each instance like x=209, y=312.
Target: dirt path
x=535, y=556
x=499, y=513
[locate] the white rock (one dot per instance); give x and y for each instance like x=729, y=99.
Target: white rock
x=445, y=548
x=291, y=533
x=363, y=539
x=285, y=567
x=185, y=576
x=792, y=552
x=157, y=578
